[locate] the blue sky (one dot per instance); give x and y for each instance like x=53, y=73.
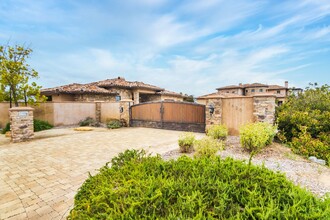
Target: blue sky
x=184, y=46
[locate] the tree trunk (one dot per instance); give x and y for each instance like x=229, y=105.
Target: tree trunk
x=15, y=97
x=25, y=98
x=10, y=99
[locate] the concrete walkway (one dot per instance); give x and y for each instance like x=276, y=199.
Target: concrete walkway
x=39, y=179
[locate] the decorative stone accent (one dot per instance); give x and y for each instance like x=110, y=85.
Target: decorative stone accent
x=264, y=108
x=125, y=110
x=98, y=111
x=21, y=124
x=215, y=117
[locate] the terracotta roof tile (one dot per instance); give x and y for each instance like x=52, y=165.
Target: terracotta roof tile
x=167, y=92
x=121, y=82
x=219, y=95
x=76, y=88
x=274, y=87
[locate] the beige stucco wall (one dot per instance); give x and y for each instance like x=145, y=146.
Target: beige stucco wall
x=110, y=110
x=232, y=91
x=44, y=111
x=256, y=90
x=72, y=113
x=4, y=114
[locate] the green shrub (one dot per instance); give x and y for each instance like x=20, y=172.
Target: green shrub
x=89, y=122
x=6, y=128
x=113, y=124
x=255, y=136
x=186, y=142
x=40, y=125
x=310, y=109
x=307, y=146
x=208, y=147
x=145, y=187
x=218, y=132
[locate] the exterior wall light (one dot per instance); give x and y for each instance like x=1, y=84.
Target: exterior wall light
x=211, y=109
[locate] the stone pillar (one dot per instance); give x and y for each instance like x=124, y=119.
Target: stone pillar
x=125, y=111
x=264, y=108
x=98, y=111
x=136, y=96
x=214, y=118
x=21, y=124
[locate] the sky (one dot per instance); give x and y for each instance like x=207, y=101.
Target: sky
x=185, y=46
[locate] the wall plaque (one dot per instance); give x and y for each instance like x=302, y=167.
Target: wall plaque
x=23, y=114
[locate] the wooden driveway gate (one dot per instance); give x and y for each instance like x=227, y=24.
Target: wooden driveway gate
x=181, y=116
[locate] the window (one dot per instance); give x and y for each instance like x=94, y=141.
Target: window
x=118, y=98
x=233, y=92
x=227, y=91
x=279, y=103
x=252, y=90
x=246, y=90
x=278, y=92
x=261, y=90
x=49, y=98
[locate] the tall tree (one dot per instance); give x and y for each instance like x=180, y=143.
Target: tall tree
x=15, y=75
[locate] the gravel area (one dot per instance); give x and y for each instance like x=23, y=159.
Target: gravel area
x=312, y=176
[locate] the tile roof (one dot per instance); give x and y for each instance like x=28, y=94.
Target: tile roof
x=274, y=87
x=167, y=92
x=121, y=82
x=242, y=86
x=219, y=95
x=76, y=88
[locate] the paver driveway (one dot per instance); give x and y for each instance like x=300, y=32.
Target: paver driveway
x=39, y=179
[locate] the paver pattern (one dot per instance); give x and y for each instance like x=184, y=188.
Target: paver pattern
x=39, y=178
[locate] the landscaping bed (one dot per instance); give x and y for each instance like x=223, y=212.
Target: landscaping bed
x=312, y=176
x=137, y=186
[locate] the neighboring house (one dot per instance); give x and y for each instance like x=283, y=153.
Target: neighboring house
x=110, y=90
x=281, y=92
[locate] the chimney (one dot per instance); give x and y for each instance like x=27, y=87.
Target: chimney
x=240, y=84
x=286, y=84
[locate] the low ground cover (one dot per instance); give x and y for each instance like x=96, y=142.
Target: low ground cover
x=139, y=186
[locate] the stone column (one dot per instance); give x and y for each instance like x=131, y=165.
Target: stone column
x=214, y=118
x=98, y=111
x=125, y=111
x=21, y=124
x=136, y=96
x=264, y=108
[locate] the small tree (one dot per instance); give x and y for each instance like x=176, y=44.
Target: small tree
x=15, y=74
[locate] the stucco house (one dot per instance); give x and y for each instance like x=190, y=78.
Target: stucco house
x=110, y=90
x=281, y=92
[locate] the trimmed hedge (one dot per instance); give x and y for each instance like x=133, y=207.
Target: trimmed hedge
x=137, y=186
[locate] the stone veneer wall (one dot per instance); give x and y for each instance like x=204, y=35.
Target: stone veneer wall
x=214, y=118
x=94, y=97
x=192, y=127
x=264, y=108
x=21, y=124
x=125, y=110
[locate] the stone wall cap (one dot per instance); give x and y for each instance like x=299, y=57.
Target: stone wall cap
x=126, y=100
x=21, y=109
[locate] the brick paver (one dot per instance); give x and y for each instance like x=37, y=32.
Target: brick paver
x=39, y=179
